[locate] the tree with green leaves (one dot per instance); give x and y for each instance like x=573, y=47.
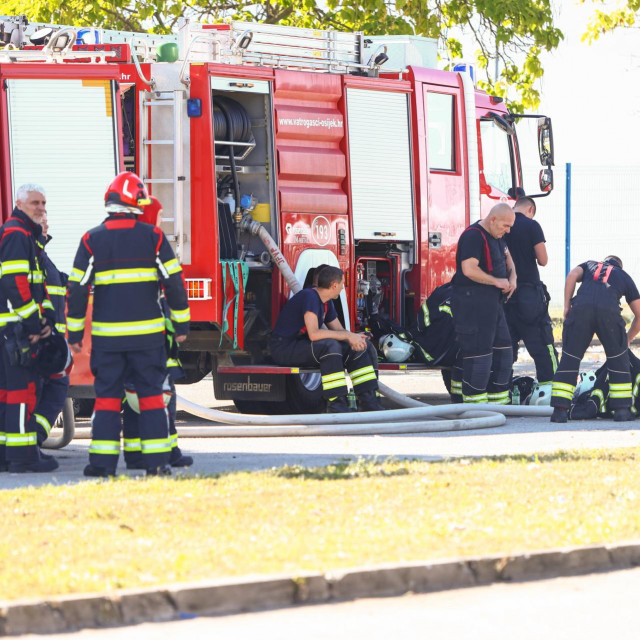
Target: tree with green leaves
x=512, y=32
x=623, y=16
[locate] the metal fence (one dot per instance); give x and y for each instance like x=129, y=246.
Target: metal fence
x=600, y=217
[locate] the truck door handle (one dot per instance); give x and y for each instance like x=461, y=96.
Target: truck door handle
x=435, y=239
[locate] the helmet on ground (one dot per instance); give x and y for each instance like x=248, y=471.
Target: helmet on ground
x=132, y=396
x=128, y=190
x=540, y=396
x=394, y=349
x=53, y=356
x=151, y=212
x=586, y=382
x=524, y=385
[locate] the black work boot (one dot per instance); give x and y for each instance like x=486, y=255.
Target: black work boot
x=560, y=414
x=92, y=471
x=339, y=405
x=35, y=466
x=623, y=415
x=369, y=401
x=182, y=461
x=164, y=470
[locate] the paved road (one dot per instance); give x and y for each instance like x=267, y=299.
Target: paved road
x=214, y=455
x=593, y=607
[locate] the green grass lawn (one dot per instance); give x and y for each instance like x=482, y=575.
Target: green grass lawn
x=138, y=532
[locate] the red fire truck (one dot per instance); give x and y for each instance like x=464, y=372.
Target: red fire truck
x=329, y=147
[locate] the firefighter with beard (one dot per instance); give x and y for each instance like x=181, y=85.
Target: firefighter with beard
x=129, y=263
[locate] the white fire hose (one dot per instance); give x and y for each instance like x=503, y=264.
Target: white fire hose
x=414, y=417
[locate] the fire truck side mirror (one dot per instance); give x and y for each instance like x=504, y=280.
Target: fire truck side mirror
x=545, y=141
x=546, y=180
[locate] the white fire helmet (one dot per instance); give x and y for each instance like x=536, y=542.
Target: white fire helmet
x=540, y=396
x=586, y=382
x=132, y=396
x=395, y=349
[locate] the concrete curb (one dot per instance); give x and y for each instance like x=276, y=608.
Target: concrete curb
x=132, y=606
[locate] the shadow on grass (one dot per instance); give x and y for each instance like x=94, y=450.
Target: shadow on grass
x=368, y=468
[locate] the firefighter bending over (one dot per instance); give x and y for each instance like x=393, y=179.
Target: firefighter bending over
x=298, y=340
x=485, y=277
x=128, y=262
x=596, y=310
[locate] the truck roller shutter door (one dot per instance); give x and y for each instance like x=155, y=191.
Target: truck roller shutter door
x=380, y=164
x=62, y=136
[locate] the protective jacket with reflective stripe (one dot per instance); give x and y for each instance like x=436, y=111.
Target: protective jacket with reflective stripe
x=129, y=263
x=22, y=293
x=55, y=284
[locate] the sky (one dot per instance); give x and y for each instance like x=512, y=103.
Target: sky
x=592, y=92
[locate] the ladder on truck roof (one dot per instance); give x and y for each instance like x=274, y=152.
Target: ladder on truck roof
x=251, y=43
x=256, y=43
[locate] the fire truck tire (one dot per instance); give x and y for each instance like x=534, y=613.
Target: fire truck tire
x=304, y=394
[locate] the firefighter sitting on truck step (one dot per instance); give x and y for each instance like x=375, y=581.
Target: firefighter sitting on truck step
x=299, y=341
x=485, y=277
x=128, y=262
x=596, y=310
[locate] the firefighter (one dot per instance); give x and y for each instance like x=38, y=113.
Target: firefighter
x=596, y=310
x=130, y=427
x=527, y=311
x=485, y=277
x=593, y=402
x=127, y=262
x=26, y=316
x=298, y=340
x=54, y=388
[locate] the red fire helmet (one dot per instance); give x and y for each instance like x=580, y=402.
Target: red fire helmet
x=151, y=212
x=127, y=189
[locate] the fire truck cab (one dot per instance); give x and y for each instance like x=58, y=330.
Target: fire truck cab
x=265, y=144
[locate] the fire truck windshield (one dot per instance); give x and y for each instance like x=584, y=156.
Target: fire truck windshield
x=496, y=156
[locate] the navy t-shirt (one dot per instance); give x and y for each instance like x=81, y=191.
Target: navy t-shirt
x=618, y=281
x=290, y=322
x=521, y=240
x=472, y=245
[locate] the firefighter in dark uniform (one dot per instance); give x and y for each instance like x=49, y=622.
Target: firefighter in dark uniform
x=53, y=390
x=298, y=340
x=594, y=402
x=130, y=414
x=596, y=310
x=127, y=261
x=433, y=337
x=527, y=310
x=26, y=316
x=485, y=276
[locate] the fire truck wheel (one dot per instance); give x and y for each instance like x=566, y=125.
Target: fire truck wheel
x=304, y=393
